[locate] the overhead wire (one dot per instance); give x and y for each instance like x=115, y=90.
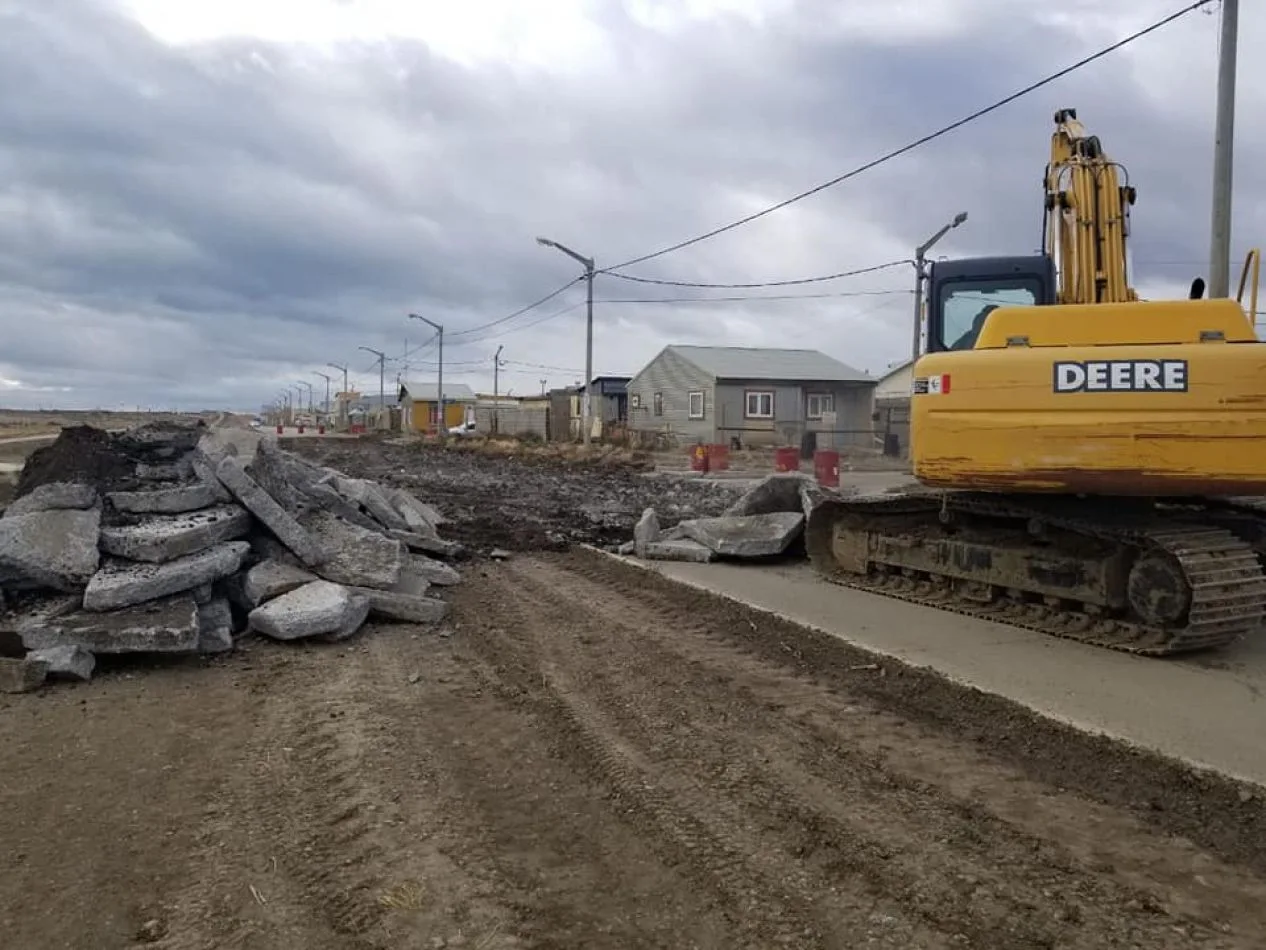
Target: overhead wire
x=911, y=146
x=765, y=283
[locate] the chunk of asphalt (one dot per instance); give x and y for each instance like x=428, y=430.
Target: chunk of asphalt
x=55, y=548
x=161, y=538
x=174, y=471
x=170, y=501
x=684, y=550
x=66, y=661
x=167, y=625
x=269, y=579
x=21, y=676
x=746, y=536
x=122, y=584
x=287, y=530
x=215, y=626
x=54, y=496
x=781, y=492
x=362, y=558
x=315, y=609
x=403, y=608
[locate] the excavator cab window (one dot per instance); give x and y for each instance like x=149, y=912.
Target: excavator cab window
x=962, y=294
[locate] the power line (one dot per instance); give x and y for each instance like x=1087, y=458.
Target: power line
x=767, y=283
x=918, y=142
x=522, y=310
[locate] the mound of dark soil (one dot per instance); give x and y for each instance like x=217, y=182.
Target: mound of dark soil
x=80, y=454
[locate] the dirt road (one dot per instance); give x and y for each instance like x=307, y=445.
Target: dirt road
x=591, y=757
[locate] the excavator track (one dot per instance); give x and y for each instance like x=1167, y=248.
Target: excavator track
x=1146, y=579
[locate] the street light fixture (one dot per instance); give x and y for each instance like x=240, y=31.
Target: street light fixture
x=920, y=256
x=587, y=262
x=441, y=425
x=382, y=386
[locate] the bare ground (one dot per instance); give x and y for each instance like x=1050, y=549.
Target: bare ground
x=595, y=758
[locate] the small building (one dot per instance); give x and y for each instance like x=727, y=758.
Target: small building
x=892, y=409
x=420, y=405
x=751, y=396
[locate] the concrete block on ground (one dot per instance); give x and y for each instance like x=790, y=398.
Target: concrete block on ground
x=435, y=572
x=746, y=536
x=217, y=444
x=321, y=608
x=21, y=676
x=287, y=530
x=269, y=579
x=416, y=513
x=322, y=495
x=55, y=548
x=168, y=625
x=362, y=558
x=161, y=440
x=204, y=471
x=773, y=493
x=166, y=537
x=646, y=531
x=403, y=608
x=54, y=496
x=430, y=544
x=215, y=626
x=122, y=584
x=370, y=496
x=170, y=501
x=412, y=580
x=280, y=475
x=66, y=661
x=684, y=550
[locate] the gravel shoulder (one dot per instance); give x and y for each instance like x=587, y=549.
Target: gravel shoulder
x=588, y=756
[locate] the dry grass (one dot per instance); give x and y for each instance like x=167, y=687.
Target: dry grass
x=567, y=453
x=19, y=423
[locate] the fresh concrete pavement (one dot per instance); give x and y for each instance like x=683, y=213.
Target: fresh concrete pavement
x=1206, y=710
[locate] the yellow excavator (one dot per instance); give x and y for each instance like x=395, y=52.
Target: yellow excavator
x=1087, y=461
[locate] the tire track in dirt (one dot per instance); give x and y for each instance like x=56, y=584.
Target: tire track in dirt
x=916, y=860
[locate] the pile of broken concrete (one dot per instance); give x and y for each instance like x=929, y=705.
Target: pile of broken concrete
x=181, y=539
x=767, y=521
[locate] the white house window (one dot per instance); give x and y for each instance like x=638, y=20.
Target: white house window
x=760, y=405
x=635, y=400
x=658, y=400
x=696, y=405
x=818, y=404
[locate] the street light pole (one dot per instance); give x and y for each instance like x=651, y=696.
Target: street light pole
x=441, y=425
x=343, y=369
x=1223, y=150
x=382, y=380
x=309, y=388
x=496, y=388
x=920, y=255
x=585, y=404
x=317, y=372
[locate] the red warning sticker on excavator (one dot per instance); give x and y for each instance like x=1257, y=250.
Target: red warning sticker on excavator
x=932, y=385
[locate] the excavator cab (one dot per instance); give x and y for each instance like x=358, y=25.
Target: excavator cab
x=962, y=294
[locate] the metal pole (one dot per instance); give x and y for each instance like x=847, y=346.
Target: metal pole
x=1223, y=153
x=325, y=377
x=496, y=388
x=439, y=395
x=382, y=389
x=343, y=369
x=920, y=259
x=585, y=401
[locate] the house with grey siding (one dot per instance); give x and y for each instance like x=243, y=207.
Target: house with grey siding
x=743, y=396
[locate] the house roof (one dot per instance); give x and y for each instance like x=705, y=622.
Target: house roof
x=895, y=369
x=425, y=391
x=742, y=362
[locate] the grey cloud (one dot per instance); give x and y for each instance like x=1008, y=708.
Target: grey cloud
x=205, y=224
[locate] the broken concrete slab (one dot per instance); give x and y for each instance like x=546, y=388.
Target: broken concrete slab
x=204, y=471
x=122, y=584
x=161, y=440
x=417, y=514
x=781, y=492
x=166, y=625
x=161, y=538
x=746, y=536
x=269, y=579
x=66, y=662
x=684, y=550
x=55, y=548
x=646, y=531
x=431, y=544
x=322, y=495
x=411, y=581
x=435, y=572
x=22, y=676
x=361, y=558
x=217, y=444
x=54, y=496
x=403, y=608
x=215, y=626
x=174, y=471
x=169, y=501
x=315, y=609
x=287, y=530
x=369, y=496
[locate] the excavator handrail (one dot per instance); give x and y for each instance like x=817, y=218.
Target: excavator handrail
x=1254, y=257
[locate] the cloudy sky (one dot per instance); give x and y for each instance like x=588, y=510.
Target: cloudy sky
x=201, y=203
